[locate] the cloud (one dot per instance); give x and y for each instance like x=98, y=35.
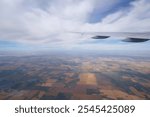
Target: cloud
x=133, y=18
x=47, y=21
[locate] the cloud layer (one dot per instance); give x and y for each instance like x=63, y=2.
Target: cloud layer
x=47, y=21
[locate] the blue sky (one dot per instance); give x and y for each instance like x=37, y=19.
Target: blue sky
x=97, y=16
x=43, y=24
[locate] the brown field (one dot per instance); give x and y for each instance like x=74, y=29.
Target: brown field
x=88, y=79
x=36, y=77
x=117, y=94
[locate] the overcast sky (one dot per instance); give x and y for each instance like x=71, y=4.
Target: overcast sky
x=46, y=23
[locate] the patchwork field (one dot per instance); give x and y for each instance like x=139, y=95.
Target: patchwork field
x=74, y=77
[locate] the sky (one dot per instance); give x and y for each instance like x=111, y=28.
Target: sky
x=47, y=24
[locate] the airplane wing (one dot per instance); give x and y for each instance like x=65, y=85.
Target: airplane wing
x=127, y=36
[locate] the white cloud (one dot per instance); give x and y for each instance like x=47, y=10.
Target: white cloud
x=45, y=21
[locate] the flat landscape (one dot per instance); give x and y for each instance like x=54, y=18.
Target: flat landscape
x=63, y=77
